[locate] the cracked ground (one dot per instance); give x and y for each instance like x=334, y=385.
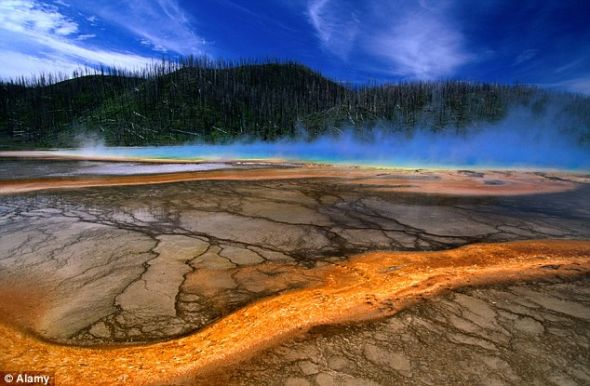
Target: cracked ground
x=536, y=333
x=119, y=265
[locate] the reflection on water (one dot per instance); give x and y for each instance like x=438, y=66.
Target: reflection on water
x=15, y=169
x=128, y=168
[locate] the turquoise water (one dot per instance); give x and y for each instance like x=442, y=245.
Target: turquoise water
x=421, y=150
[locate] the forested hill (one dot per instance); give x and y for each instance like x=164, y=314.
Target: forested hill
x=220, y=103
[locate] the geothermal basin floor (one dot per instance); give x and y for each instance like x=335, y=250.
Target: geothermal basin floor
x=201, y=277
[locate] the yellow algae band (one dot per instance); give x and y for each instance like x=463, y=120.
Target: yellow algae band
x=367, y=286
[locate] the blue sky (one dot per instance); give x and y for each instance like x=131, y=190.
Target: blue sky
x=540, y=42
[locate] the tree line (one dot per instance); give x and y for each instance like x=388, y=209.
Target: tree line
x=196, y=99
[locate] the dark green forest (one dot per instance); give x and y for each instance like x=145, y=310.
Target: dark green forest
x=198, y=100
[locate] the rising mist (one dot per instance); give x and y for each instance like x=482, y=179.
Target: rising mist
x=522, y=140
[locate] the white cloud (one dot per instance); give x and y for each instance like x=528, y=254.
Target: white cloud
x=336, y=25
x=17, y=64
x=262, y=18
x=525, y=56
x=163, y=23
x=70, y=51
x=578, y=85
x=28, y=15
x=85, y=37
x=314, y=9
x=62, y=3
x=570, y=65
x=36, y=37
x=417, y=40
x=419, y=45
x=155, y=47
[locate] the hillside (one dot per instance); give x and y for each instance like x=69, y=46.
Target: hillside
x=218, y=103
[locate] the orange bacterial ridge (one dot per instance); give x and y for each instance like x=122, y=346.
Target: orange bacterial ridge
x=367, y=286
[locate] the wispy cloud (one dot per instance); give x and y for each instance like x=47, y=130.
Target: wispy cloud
x=415, y=40
x=36, y=37
x=579, y=85
x=420, y=45
x=336, y=25
x=85, y=37
x=569, y=65
x=18, y=64
x=153, y=45
x=161, y=23
x=262, y=18
x=525, y=56
x=31, y=16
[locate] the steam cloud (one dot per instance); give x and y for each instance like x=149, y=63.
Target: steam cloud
x=520, y=141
